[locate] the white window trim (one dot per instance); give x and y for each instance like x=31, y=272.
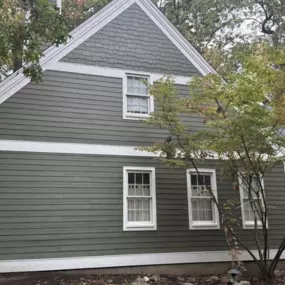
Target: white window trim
x=202, y=225
x=126, y=115
x=139, y=226
x=247, y=224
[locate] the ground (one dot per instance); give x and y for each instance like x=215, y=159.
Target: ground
x=54, y=278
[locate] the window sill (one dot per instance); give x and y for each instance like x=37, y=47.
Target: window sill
x=136, y=117
x=204, y=226
x=250, y=226
x=149, y=227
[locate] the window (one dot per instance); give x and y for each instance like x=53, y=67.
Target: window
x=139, y=199
x=137, y=102
x=203, y=213
x=248, y=210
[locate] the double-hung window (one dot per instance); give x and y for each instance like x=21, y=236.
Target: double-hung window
x=203, y=212
x=251, y=200
x=137, y=102
x=139, y=198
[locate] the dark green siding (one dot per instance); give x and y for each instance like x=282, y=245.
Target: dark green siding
x=70, y=107
x=56, y=205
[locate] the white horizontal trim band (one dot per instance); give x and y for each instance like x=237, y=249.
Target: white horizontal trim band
x=119, y=260
x=110, y=72
x=77, y=148
x=74, y=148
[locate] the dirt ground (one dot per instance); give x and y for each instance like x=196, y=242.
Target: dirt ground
x=54, y=278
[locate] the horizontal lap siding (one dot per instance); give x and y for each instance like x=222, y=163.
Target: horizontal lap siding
x=69, y=107
x=132, y=41
x=71, y=205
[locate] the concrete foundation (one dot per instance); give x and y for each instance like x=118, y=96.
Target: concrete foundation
x=196, y=269
x=175, y=269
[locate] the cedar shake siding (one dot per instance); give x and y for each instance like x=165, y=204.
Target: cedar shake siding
x=132, y=41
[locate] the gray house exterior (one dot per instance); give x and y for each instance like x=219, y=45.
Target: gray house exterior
x=75, y=192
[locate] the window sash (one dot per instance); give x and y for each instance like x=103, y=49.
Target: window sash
x=201, y=213
x=248, y=211
x=137, y=107
x=136, y=86
x=140, y=212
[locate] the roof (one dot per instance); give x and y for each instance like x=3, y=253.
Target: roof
x=80, y=34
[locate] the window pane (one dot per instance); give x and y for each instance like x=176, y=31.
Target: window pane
x=200, y=185
x=130, y=85
x=131, y=216
x=193, y=179
x=139, y=184
x=137, y=85
x=131, y=204
x=137, y=105
x=130, y=104
x=201, y=180
x=200, y=191
x=132, y=190
x=139, y=178
x=146, y=190
x=255, y=182
x=139, y=209
x=144, y=102
x=131, y=178
x=139, y=191
x=254, y=188
x=207, y=180
x=146, y=178
x=248, y=211
x=146, y=216
x=144, y=90
x=146, y=184
x=202, y=210
x=144, y=110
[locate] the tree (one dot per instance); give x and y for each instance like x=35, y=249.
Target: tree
x=77, y=11
x=26, y=26
x=226, y=22
x=29, y=26
x=211, y=26
x=244, y=121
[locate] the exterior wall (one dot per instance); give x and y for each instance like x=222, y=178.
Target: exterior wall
x=70, y=107
x=132, y=41
x=67, y=205
x=56, y=205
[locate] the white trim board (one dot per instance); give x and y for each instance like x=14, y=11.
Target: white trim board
x=106, y=261
x=89, y=27
x=203, y=225
x=139, y=226
x=76, y=148
x=110, y=72
x=72, y=148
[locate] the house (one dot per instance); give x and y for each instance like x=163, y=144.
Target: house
x=75, y=192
